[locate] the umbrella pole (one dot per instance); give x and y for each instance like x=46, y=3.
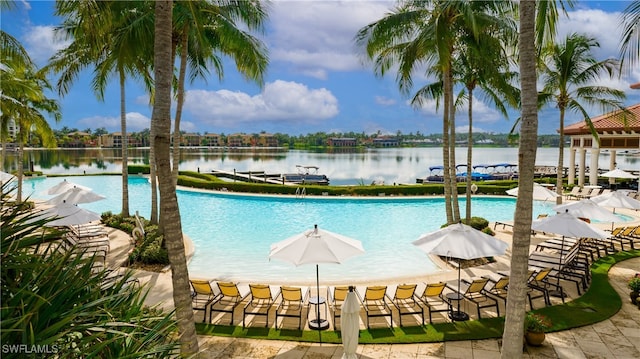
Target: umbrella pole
x=318, y=305
x=458, y=315
x=557, y=292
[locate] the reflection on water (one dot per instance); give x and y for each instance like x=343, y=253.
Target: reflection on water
x=342, y=166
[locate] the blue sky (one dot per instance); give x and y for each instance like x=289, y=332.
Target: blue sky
x=315, y=81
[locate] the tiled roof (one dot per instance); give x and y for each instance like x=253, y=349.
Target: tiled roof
x=612, y=121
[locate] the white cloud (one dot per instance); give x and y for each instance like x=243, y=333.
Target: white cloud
x=603, y=26
x=314, y=35
x=280, y=101
x=385, y=101
x=41, y=43
x=474, y=129
x=135, y=122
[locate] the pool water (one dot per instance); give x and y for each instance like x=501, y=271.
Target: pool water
x=232, y=234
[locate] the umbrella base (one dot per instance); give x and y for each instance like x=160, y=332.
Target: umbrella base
x=458, y=316
x=318, y=324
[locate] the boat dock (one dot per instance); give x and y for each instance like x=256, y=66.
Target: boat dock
x=252, y=176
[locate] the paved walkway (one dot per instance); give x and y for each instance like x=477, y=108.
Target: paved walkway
x=617, y=337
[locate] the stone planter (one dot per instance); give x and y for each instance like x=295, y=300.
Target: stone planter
x=534, y=338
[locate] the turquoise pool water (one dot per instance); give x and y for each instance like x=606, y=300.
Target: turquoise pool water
x=232, y=234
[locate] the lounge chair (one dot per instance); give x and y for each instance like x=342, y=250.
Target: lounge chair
x=375, y=303
x=201, y=296
x=405, y=301
x=566, y=265
x=476, y=293
x=498, y=286
x=540, y=281
x=336, y=296
x=575, y=192
x=228, y=299
x=293, y=302
x=433, y=298
x=260, y=303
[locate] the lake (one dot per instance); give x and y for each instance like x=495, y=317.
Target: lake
x=342, y=166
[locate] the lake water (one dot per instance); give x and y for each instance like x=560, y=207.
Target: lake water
x=343, y=167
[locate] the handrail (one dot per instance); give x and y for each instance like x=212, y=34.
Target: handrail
x=301, y=192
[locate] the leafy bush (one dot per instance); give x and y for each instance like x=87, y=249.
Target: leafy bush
x=536, y=323
x=478, y=223
x=149, y=250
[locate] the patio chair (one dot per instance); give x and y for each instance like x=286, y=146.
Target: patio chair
x=433, y=298
x=375, y=303
x=498, y=285
x=405, y=301
x=201, y=296
x=540, y=282
x=476, y=293
x=336, y=296
x=293, y=302
x=575, y=192
x=228, y=299
x=260, y=303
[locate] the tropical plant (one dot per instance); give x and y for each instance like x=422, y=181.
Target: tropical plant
x=568, y=73
x=169, y=210
x=634, y=283
x=55, y=298
x=536, y=323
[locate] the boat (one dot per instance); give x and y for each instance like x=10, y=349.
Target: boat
x=306, y=175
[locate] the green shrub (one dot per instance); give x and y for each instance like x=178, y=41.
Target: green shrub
x=478, y=223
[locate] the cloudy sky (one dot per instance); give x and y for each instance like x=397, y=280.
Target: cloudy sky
x=315, y=80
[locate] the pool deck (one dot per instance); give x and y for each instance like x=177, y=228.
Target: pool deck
x=616, y=337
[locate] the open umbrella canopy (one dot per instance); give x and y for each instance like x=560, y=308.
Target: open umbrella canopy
x=64, y=186
x=617, y=173
x=587, y=208
x=462, y=242
x=69, y=215
x=566, y=224
x=539, y=192
x=316, y=246
x=616, y=199
x=76, y=195
x=6, y=177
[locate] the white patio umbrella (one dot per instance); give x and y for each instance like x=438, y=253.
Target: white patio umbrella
x=64, y=186
x=70, y=215
x=568, y=225
x=587, y=208
x=76, y=195
x=350, y=325
x=316, y=246
x=6, y=177
x=539, y=192
x=616, y=199
x=618, y=173
x=462, y=242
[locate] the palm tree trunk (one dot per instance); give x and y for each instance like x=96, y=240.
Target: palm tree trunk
x=469, y=158
x=455, y=209
x=169, y=211
x=20, y=167
x=154, y=180
x=125, y=147
x=560, y=169
x=179, y=104
x=514, y=322
x=446, y=164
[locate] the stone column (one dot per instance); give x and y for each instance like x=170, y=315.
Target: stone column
x=582, y=167
x=593, y=166
x=612, y=165
x=572, y=165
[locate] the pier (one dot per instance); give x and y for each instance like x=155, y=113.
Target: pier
x=253, y=176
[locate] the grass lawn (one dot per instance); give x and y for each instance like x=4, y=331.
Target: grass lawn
x=600, y=302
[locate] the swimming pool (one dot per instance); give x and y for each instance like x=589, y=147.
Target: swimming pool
x=232, y=234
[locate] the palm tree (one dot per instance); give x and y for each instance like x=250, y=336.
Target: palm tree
x=537, y=27
x=422, y=35
x=169, y=210
x=110, y=35
x=24, y=101
x=630, y=42
x=568, y=72
x=205, y=30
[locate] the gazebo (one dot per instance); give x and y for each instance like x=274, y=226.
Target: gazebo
x=613, y=135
